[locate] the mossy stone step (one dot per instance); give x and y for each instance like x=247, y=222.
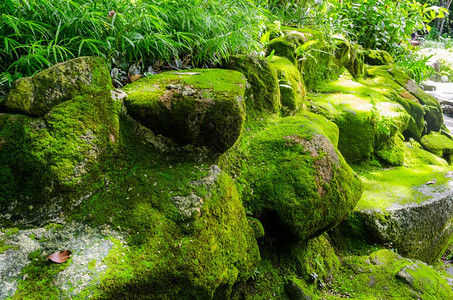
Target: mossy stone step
x=410, y=206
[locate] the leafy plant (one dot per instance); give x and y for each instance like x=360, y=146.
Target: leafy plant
x=415, y=66
x=35, y=34
x=387, y=24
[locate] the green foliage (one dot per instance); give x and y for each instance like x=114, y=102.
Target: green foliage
x=36, y=34
x=386, y=24
x=322, y=14
x=415, y=66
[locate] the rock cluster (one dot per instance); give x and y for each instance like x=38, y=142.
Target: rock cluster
x=226, y=183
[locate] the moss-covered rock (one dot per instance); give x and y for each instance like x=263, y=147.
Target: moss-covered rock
x=202, y=258
x=356, y=63
x=342, y=51
x=307, y=49
x=386, y=275
x=433, y=112
x=43, y=157
x=392, y=150
x=380, y=80
x=166, y=255
x=262, y=91
x=295, y=174
x=292, y=89
x=366, y=118
x=286, y=45
x=409, y=206
x=314, y=260
x=439, y=145
x=201, y=107
x=377, y=57
x=38, y=94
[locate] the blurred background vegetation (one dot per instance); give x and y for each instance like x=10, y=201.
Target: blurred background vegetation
x=151, y=34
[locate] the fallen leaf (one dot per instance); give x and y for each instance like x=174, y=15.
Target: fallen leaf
x=60, y=257
x=135, y=77
x=431, y=182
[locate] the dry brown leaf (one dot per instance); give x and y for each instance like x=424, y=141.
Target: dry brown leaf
x=135, y=77
x=60, y=257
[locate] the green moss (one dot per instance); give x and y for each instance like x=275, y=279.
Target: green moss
x=288, y=177
x=267, y=282
x=439, y=145
x=257, y=227
x=367, y=119
x=292, y=89
x=22, y=96
x=377, y=57
x=415, y=155
x=356, y=63
x=382, y=82
x=433, y=117
x=263, y=93
x=316, y=63
x=398, y=186
x=4, y=234
x=385, y=275
x=37, y=277
x=167, y=256
x=200, y=263
x=57, y=84
x=286, y=46
x=53, y=226
x=342, y=51
x=201, y=107
x=46, y=155
x=393, y=150
x=314, y=260
x=352, y=237
x=352, y=115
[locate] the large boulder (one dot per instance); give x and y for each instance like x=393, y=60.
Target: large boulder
x=38, y=94
x=262, y=91
x=200, y=107
x=411, y=206
x=295, y=176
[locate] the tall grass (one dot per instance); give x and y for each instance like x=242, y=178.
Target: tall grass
x=35, y=34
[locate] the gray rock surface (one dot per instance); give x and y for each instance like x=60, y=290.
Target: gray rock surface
x=189, y=207
x=89, y=247
x=420, y=231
